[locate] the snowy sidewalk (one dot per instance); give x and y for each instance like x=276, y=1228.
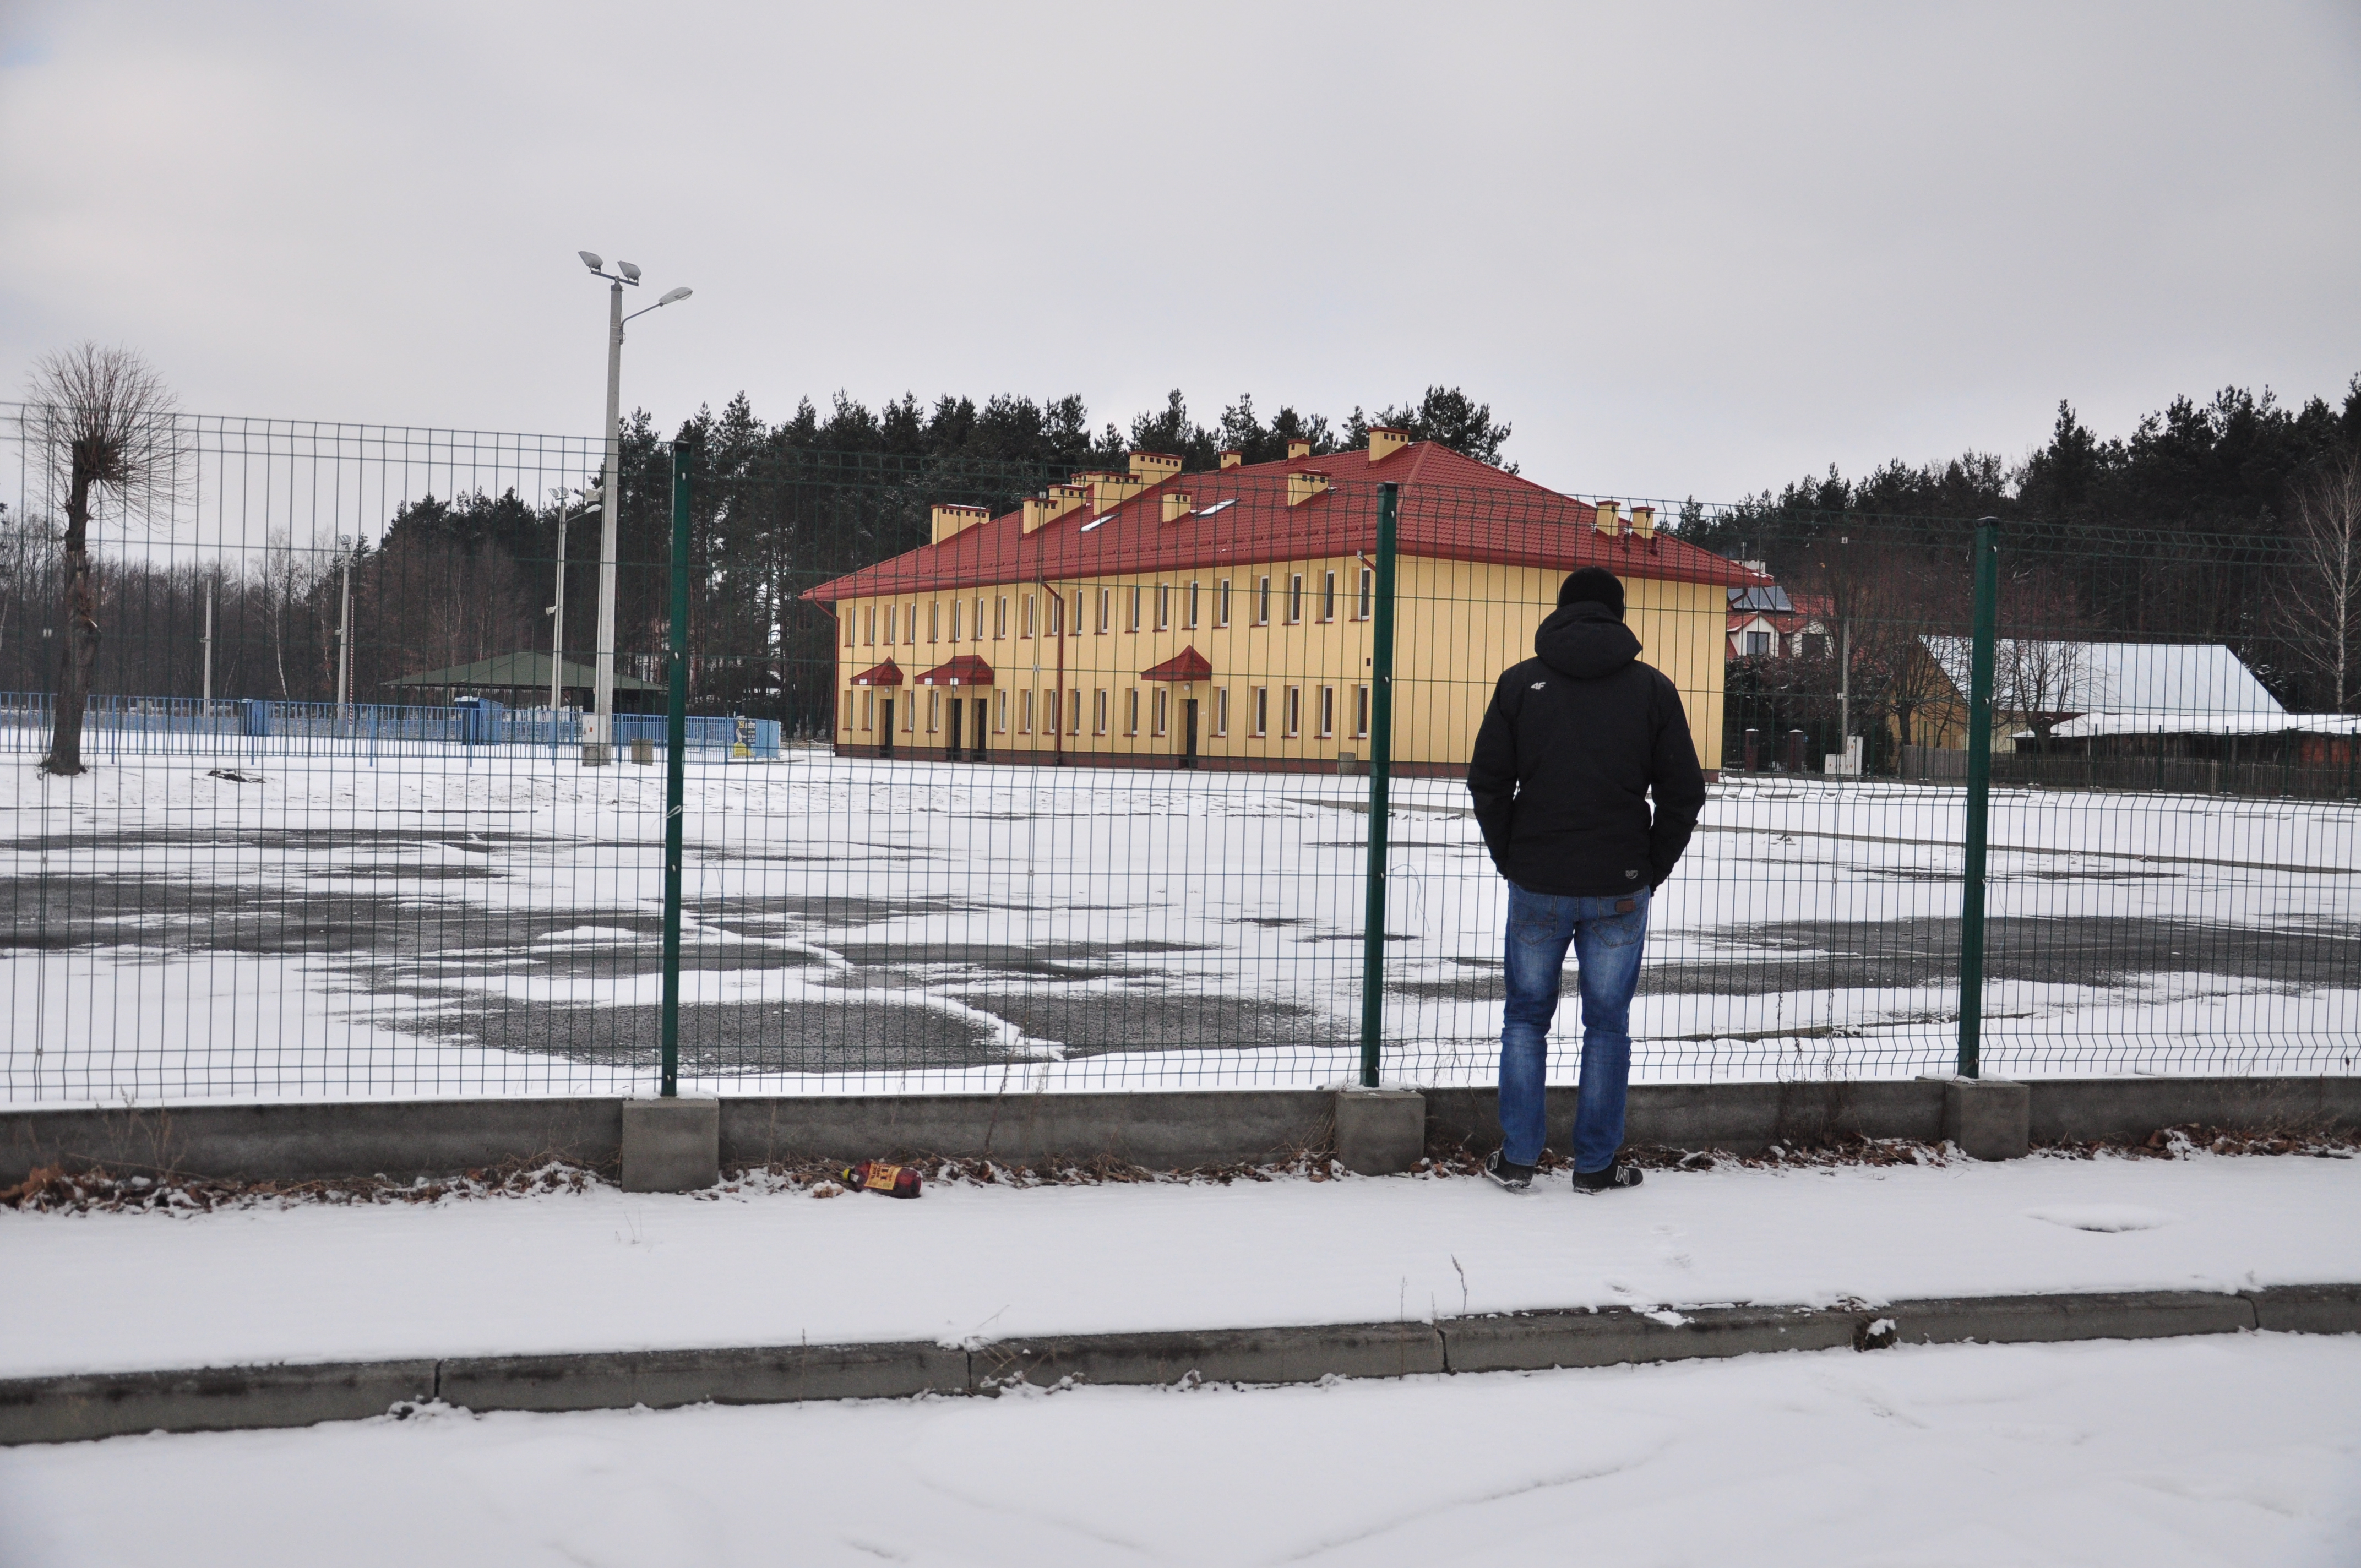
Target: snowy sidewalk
x=2182, y=1454
x=612, y=1271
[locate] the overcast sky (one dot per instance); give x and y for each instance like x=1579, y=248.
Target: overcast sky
x=1687, y=250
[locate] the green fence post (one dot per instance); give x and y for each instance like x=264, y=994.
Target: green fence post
x=675, y=777
x=1381, y=743
x=1980, y=728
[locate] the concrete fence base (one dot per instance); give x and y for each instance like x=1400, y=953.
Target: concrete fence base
x=1178, y=1130
x=73, y=1408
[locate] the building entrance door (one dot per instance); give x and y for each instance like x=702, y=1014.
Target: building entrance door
x=1189, y=732
x=885, y=727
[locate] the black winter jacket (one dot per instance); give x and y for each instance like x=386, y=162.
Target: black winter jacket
x=1570, y=747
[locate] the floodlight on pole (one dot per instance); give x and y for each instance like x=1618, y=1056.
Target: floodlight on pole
x=598, y=745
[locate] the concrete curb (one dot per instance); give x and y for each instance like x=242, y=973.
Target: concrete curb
x=77, y=1408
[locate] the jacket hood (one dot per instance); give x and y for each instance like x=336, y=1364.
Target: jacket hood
x=1585, y=640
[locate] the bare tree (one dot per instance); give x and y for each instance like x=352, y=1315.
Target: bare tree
x=2324, y=601
x=2038, y=676
x=105, y=421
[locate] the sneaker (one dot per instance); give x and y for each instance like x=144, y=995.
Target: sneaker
x=1511, y=1177
x=1614, y=1176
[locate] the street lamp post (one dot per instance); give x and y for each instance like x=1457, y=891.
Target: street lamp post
x=598, y=747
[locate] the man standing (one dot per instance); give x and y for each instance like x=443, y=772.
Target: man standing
x=1572, y=746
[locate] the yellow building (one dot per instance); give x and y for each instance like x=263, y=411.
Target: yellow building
x=1224, y=619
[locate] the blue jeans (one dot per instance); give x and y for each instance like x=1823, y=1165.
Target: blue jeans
x=1607, y=943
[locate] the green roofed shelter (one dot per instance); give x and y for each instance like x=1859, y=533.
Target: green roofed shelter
x=519, y=672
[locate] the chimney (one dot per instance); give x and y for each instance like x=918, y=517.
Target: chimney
x=1298, y=449
x=1644, y=522
x=1178, y=504
x=1304, y=484
x=1154, y=467
x=1232, y=459
x=1384, y=443
x=1042, y=511
x=1607, y=518
x=1109, y=491
x=949, y=520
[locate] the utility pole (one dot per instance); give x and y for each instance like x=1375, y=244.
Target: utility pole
x=1844, y=688
x=345, y=646
x=597, y=749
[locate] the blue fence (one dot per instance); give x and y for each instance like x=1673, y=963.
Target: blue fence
x=159, y=726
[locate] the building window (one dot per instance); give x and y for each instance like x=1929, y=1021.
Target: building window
x=978, y=621
x=1294, y=711
x=1262, y=601
x=867, y=700
x=1000, y=618
x=1327, y=711
x=1163, y=607
x=1106, y=609
x=1221, y=710
x=1134, y=624
x=1361, y=710
x=1294, y=599
x=1074, y=710
x=1099, y=718
x=934, y=620
x=892, y=621
x=1076, y=628
x=955, y=622
x=910, y=714
x=1193, y=607
x=1258, y=709
x=1131, y=711
x=1161, y=693
x=1222, y=602
x=1028, y=615
x=848, y=628
x=1000, y=711
x=869, y=625
x=1757, y=643
x=1327, y=596
x=1369, y=593
x=934, y=712
x=1024, y=716
x=910, y=624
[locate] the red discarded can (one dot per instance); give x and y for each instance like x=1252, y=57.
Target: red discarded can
x=876, y=1176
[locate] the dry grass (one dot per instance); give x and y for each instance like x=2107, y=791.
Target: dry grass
x=55, y=1189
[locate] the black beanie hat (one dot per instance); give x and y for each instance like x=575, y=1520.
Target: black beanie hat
x=1592, y=585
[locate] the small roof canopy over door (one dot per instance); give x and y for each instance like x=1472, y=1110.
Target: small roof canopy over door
x=967, y=670
x=886, y=675
x=1186, y=665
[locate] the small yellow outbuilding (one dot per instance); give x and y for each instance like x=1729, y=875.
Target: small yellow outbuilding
x=1224, y=619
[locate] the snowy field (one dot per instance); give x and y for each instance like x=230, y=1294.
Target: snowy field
x=2232, y=1451
x=433, y=924
x=966, y=1264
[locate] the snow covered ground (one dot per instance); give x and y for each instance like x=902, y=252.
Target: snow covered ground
x=608, y=1270
x=423, y=925
x=2220, y=1450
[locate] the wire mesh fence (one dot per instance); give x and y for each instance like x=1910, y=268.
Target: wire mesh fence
x=995, y=778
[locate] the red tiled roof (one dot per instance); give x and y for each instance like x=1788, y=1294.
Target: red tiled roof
x=967, y=670
x=1453, y=508
x=1186, y=665
x=886, y=675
